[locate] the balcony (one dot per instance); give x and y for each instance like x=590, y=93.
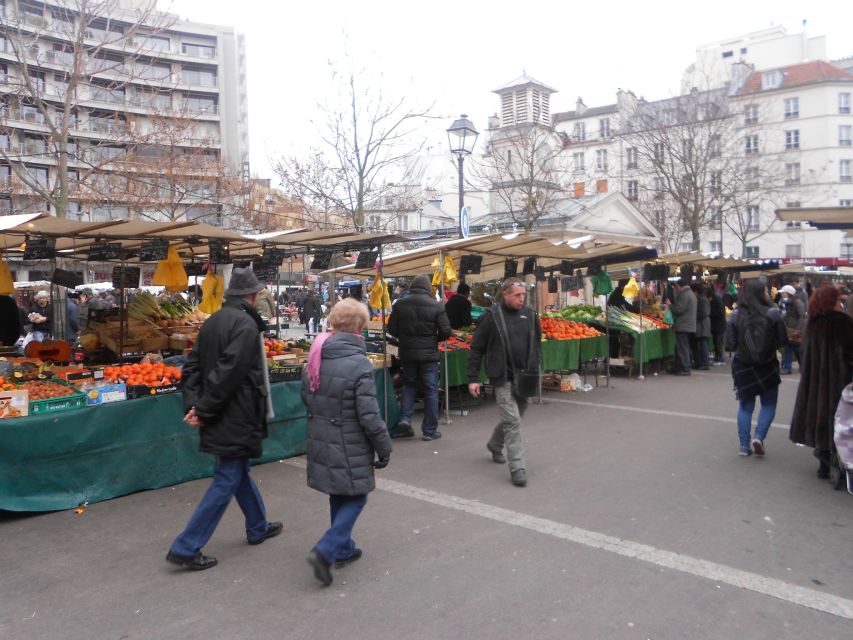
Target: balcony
x=59, y=57
x=103, y=125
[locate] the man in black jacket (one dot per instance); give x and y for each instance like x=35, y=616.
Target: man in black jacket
x=226, y=395
x=419, y=322
x=500, y=350
x=459, y=307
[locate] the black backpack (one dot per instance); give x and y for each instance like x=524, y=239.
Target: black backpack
x=756, y=342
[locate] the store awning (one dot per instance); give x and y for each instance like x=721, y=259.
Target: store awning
x=823, y=218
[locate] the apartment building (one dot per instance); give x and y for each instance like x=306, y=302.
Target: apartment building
x=769, y=137
x=127, y=113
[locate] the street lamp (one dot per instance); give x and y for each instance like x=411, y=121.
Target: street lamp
x=461, y=138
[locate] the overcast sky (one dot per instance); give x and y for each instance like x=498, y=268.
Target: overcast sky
x=455, y=53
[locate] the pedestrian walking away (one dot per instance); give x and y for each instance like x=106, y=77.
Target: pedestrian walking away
x=827, y=367
x=227, y=397
x=794, y=313
x=509, y=337
x=755, y=333
x=701, y=358
x=347, y=438
x=419, y=322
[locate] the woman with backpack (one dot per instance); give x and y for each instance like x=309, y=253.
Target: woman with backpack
x=826, y=368
x=755, y=333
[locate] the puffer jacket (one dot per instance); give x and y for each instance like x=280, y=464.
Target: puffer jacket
x=224, y=380
x=345, y=429
x=419, y=322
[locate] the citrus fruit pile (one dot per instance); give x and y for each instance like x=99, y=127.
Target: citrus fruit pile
x=558, y=329
x=147, y=373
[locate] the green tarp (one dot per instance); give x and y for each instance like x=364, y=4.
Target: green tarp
x=60, y=460
x=656, y=345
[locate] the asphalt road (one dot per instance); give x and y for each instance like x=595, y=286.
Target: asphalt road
x=639, y=521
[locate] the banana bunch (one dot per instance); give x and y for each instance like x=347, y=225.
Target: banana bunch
x=145, y=307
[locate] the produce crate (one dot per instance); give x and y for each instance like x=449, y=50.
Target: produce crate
x=55, y=405
x=285, y=373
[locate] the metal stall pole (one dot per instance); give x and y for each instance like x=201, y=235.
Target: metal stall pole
x=121, y=311
x=446, y=369
x=607, y=333
x=641, y=336
x=385, y=374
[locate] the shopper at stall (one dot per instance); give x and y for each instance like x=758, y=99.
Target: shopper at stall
x=265, y=304
x=419, y=322
x=311, y=312
x=39, y=316
x=459, y=307
x=718, y=325
x=347, y=437
x=87, y=301
x=825, y=369
x=509, y=337
x=794, y=312
x=72, y=317
x=227, y=397
x=701, y=358
x=755, y=333
x=684, y=324
x=10, y=321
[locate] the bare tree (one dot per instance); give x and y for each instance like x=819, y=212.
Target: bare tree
x=366, y=160
x=523, y=168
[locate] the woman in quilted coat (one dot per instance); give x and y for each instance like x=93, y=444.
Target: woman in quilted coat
x=347, y=438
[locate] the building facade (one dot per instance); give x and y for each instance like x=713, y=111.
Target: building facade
x=124, y=113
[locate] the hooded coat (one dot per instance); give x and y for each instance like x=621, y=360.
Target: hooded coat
x=419, y=322
x=826, y=368
x=224, y=379
x=345, y=429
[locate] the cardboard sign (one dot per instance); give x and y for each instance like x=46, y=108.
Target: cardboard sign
x=14, y=404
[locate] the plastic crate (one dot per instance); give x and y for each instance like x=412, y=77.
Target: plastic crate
x=54, y=405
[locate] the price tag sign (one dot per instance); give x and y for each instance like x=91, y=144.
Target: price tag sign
x=126, y=277
x=40, y=249
x=153, y=249
x=219, y=253
x=101, y=251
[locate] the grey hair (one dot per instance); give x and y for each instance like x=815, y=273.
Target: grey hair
x=509, y=283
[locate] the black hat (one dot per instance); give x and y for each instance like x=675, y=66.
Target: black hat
x=243, y=282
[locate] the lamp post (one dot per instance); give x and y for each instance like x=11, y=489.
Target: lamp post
x=461, y=138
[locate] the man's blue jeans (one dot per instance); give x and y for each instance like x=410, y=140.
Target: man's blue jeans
x=230, y=480
x=425, y=376
x=337, y=543
x=788, y=354
x=765, y=416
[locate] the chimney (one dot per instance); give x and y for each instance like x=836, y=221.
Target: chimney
x=580, y=107
x=494, y=121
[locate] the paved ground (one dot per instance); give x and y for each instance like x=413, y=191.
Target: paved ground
x=639, y=521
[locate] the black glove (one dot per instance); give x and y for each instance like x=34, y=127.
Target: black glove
x=382, y=462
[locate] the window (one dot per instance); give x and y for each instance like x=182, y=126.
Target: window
x=5, y=142
x=845, y=203
x=601, y=186
x=633, y=189
x=716, y=146
x=751, y=178
x=659, y=218
x=660, y=152
x=601, y=159
x=716, y=219
x=579, y=134
x=743, y=50
x=752, y=217
x=772, y=79
x=843, y=103
x=198, y=76
x=199, y=50
x=845, y=134
x=579, y=189
x=685, y=246
x=845, y=170
x=38, y=175
x=751, y=252
x=793, y=251
x=716, y=246
x=792, y=173
x=200, y=104
x=751, y=144
x=847, y=250
x=660, y=186
x=579, y=161
x=750, y=114
x=5, y=206
x=632, y=158
x=604, y=128
x=687, y=150
x=509, y=157
x=728, y=54
x=792, y=107
x=792, y=139
x=716, y=181
x=154, y=43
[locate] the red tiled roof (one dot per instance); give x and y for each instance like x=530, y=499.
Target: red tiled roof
x=798, y=74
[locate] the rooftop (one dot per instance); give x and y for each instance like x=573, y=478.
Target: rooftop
x=521, y=81
x=587, y=113
x=798, y=74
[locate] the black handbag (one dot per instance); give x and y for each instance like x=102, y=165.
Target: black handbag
x=525, y=382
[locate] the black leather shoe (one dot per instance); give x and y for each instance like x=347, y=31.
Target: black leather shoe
x=435, y=435
x=342, y=563
x=497, y=456
x=193, y=563
x=273, y=529
x=404, y=430
x=321, y=568
x=519, y=478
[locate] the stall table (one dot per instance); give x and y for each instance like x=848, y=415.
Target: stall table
x=61, y=460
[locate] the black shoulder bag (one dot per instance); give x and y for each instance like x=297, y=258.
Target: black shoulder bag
x=525, y=382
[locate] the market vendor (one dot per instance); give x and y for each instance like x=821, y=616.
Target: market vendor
x=459, y=307
x=39, y=316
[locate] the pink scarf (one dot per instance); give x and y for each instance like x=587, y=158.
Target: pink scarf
x=315, y=358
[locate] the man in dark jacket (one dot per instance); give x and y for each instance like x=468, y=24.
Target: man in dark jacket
x=10, y=321
x=311, y=311
x=515, y=347
x=72, y=317
x=459, y=307
x=226, y=395
x=419, y=322
x=684, y=316
x=718, y=326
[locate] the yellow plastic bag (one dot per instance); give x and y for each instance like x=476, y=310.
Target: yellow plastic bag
x=212, y=292
x=7, y=287
x=379, y=296
x=170, y=273
x=450, y=275
x=631, y=289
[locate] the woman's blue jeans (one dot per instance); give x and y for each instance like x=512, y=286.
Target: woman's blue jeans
x=765, y=416
x=337, y=543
